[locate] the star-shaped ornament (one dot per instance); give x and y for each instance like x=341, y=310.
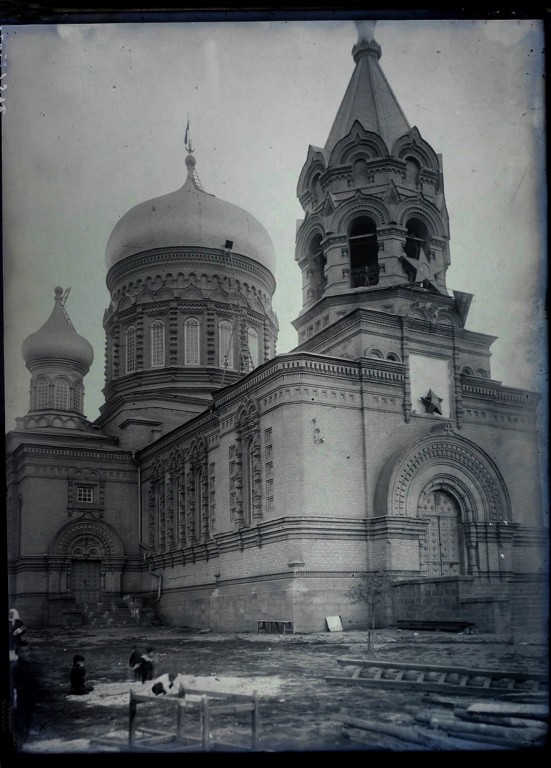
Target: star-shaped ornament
x=425, y=271
x=432, y=402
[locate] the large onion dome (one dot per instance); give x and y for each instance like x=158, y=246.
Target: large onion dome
x=189, y=217
x=57, y=340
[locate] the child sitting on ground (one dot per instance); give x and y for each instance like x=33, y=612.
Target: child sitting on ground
x=77, y=677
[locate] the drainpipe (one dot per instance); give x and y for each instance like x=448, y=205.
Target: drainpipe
x=140, y=542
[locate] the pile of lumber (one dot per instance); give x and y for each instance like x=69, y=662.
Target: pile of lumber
x=454, y=723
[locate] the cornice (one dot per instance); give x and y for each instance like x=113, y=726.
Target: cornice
x=171, y=257
x=68, y=453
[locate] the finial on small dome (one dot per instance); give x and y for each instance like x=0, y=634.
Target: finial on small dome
x=366, y=45
x=58, y=293
x=366, y=30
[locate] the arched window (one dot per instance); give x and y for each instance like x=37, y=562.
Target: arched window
x=61, y=394
x=393, y=357
x=252, y=341
x=180, y=523
x=248, y=482
x=42, y=393
x=317, y=262
x=225, y=344
x=417, y=239
x=77, y=398
x=191, y=341
x=364, y=263
x=199, y=504
x=157, y=344
x=373, y=352
x=131, y=349
x=316, y=189
x=412, y=171
x=359, y=172
x=466, y=371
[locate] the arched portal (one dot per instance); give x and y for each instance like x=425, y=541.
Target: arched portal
x=87, y=556
x=445, y=493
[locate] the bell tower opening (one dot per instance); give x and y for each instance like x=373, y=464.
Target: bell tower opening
x=364, y=262
x=417, y=239
x=317, y=262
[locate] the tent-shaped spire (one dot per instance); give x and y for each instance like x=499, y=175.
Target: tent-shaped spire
x=368, y=98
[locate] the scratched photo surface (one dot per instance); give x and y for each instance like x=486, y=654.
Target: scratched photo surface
x=98, y=118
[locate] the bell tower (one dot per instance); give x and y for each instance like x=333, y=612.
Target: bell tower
x=376, y=231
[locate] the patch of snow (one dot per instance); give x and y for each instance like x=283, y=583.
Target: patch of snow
x=118, y=694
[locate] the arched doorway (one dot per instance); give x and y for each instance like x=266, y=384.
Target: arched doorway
x=86, y=561
x=85, y=579
x=441, y=552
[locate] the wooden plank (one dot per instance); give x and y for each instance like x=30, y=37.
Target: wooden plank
x=205, y=724
x=165, y=738
x=434, y=740
x=511, y=709
x=230, y=709
x=448, y=669
x=254, y=722
x=213, y=694
x=511, y=722
x=452, y=725
x=404, y=733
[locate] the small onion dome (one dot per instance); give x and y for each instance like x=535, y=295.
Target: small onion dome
x=189, y=217
x=57, y=339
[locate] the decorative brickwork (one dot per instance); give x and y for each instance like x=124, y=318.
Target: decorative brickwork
x=459, y=463
x=87, y=534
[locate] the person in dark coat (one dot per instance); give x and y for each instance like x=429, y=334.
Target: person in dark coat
x=23, y=695
x=134, y=662
x=145, y=666
x=77, y=677
x=16, y=630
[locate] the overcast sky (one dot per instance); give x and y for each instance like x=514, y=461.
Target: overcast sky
x=95, y=120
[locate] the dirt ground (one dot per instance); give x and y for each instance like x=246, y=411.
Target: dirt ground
x=299, y=710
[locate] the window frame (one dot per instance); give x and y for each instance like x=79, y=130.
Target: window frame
x=157, y=342
x=62, y=405
x=254, y=358
x=225, y=360
x=130, y=361
x=192, y=344
x=80, y=489
x=42, y=387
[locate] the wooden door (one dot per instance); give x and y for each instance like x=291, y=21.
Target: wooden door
x=443, y=544
x=86, y=580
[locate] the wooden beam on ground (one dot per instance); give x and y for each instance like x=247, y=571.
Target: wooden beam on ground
x=442, y=668
x=404, y=733
x=510, y=709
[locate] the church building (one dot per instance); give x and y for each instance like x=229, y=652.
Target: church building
x=224, y=484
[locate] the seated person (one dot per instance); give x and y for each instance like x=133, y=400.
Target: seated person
x=170, y=684
x=77, y=677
